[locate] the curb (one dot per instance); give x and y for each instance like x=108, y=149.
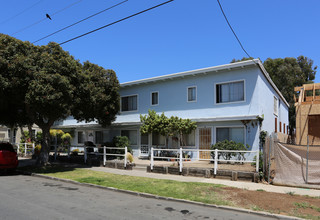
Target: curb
x=147, y=195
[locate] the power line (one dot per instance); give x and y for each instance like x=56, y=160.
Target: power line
x=68, y=6
x=37, y=22
x=90, y=32
x=80, y=21
x=23, y=11
x=233, y=31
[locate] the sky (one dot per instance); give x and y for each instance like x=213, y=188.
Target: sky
x=179, y=36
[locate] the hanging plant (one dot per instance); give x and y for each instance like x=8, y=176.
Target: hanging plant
x=260, y=120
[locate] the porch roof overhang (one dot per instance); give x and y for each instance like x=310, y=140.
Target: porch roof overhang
x=138, y=123
x=227, y=118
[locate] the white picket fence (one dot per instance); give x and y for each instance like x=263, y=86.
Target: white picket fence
x=105, y=154
x=96, y=152
x=25, y=147
x=216, y=159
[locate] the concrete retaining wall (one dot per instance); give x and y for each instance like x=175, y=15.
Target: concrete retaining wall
x=207, y=173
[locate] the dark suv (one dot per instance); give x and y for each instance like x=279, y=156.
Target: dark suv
x=8, y=157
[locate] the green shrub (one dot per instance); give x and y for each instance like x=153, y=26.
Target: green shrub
x=230, y=145
x=75, y=152
x=260, y=161
x=121, y=141
x=37, y=149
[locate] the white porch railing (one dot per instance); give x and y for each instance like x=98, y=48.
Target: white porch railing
x=24, y=148
x=105, y=154
x=216, y=159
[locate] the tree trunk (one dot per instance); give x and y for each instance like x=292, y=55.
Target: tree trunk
x=22, y=133
x=30, y=133
x=12, y=136
x=43, y=158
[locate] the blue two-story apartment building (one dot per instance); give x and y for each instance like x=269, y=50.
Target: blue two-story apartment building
x=225, y=101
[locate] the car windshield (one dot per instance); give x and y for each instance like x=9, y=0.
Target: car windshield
x=6, y=146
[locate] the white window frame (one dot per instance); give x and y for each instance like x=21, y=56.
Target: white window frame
x=226, y=82
x=188, y=93
x=129, y=96
x=230, y=126
x=151, y=98
x=275, y=99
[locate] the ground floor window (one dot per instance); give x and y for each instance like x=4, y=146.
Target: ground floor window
x=80, y=137
x=144, y=139
x=98, y=137
x=230, y=133
x=158, y=140
x=188, y=139
x=132, y=136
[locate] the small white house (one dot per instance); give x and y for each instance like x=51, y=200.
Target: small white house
x=225, y=101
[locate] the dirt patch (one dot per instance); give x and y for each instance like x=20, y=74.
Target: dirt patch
x=286, y=204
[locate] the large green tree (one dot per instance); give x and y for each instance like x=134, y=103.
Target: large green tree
x=168, y=127
x=288, y=73
x=47, y=84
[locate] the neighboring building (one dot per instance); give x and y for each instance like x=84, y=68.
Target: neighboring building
x=5, y=133
x=307, y=103
x=225, y=101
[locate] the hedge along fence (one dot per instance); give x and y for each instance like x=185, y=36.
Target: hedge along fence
x=237, y=156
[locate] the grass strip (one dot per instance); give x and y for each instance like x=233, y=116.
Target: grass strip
x=199, y=192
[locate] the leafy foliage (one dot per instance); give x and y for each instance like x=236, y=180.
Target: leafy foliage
x=230, y=145
x=262, y=137
x=168, y=127
x=121, y=141
x=288, y=73
x=25, y=138
x=243, y=59
x=44, y=84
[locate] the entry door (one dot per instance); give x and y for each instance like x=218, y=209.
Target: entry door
x=144, y=145
x=205, y=141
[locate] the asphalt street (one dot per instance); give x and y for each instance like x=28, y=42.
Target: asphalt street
x=27, y=197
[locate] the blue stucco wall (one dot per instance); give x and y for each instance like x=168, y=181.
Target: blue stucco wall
x=259, y=100
x=266, y=106
x=173, y=96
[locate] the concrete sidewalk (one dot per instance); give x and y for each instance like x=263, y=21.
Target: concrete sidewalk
x=238, y=184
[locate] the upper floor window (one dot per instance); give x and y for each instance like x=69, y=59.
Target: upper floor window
x=129, y=103
x=230, y=92
x=154, y=98
x=192, y=94
x=275, y=105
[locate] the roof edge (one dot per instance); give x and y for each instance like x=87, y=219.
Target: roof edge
x=194, y=72
x=266, y=74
